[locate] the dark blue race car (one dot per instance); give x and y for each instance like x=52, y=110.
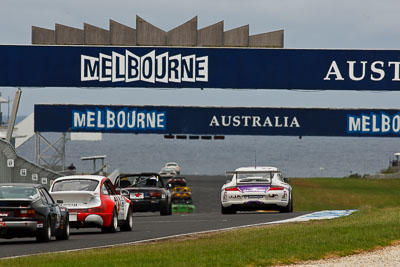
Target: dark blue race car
x=146, y=191
x=28, y=210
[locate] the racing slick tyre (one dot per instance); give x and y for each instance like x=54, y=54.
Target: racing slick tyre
x=44, y=234
x=128, y=223
x=289, y=207
x=228, y=210
x=166, y=210
x=170, y=209
x=114, y=224
x=64, y=233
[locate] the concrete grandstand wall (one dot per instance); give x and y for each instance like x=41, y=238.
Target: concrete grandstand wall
x=15, y=169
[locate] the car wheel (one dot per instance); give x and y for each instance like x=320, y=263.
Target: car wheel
x=44, y=234
x=170, y=209
x=128, y=224
x=64, y=233
x=291, y=203
x=228, y=210
x=289, y=207
x=165, y=210
x=114, y=224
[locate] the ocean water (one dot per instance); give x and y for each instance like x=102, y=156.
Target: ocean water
x=305, y=157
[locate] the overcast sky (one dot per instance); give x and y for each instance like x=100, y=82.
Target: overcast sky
x=362, y=24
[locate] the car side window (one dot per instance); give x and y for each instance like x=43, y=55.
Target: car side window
x=110, y=188
x=104, y=189
x=47, y=196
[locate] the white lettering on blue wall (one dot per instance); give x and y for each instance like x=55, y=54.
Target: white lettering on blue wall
x=151, y=68
x=373, y=123
x=123, y=119
x=357, y=71
x=254, y=121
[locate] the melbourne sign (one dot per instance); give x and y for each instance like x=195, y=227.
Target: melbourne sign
x=198, y=67
x=374, y=123
x=217, y=121
x=125, y=119
x=151, y=68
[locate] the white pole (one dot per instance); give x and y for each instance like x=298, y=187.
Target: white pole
x=14, y=111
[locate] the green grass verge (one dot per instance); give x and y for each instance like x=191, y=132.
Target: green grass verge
x=259, y=246
x=372, y=226
x=313, y=194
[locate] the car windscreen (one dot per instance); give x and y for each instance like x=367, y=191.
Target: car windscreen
x=262, y=177
x=139, y=181
x=17, y=192
x=181, y=189
x=174, y=183
x=75, y=185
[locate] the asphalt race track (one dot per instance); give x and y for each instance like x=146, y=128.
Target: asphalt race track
x=206, y=190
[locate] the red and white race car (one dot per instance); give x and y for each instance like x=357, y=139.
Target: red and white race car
x=92, y=201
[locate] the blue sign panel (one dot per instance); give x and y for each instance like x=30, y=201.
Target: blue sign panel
x=217, y=121
x=166, y=67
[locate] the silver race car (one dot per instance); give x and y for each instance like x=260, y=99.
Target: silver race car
x=256, y=188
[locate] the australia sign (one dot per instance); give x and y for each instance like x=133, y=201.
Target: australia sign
x=198, y=67
x=217, y=120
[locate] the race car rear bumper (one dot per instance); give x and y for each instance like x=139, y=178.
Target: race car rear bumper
x=255, y=204
x=251, y=206
x=83, y=220
x=147, y=205
x=28, y=225
x=95, y=219
x=11, y=229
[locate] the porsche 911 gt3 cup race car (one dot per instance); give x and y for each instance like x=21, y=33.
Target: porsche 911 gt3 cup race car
x=256, y=188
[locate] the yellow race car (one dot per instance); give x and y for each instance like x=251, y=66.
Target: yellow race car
x=181, y=192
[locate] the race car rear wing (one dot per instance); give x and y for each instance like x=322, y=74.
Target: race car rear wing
x=238, y=172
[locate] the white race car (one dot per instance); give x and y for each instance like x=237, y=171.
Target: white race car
x=167, y=171
x=256, y=188
x=173, y=165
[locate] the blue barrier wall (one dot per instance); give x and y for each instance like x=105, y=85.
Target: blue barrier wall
x=217, y=120
x=165, y=67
